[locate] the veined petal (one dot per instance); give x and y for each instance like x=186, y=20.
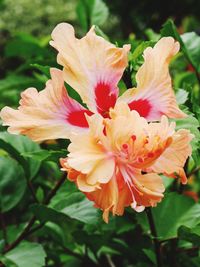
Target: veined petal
x=92, y=66
x=154, y=95
x=84, y=154
x=150, y=189
x=105, y=198
x=172, y=160
x=102, y=172
x=48, y=114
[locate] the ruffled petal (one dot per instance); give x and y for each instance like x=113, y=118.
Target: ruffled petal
x=154, y=94
x=48, y=114
x=84, y=154
x=92, y=66
x=172, y=160
x=105, y=198
x=150, y=189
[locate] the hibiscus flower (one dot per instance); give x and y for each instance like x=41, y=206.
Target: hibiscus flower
x=118, y=161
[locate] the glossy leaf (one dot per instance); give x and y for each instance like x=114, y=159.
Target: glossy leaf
x=92, y=12
x=26, y=254
x=12, y=183
x=67, y=203
x=191, y=234
x=174, y=211
x=19, y=145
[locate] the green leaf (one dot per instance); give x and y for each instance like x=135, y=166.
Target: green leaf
x=68, y=203
x=92, y=12
x=26, y=254
x=16, y=81
x=82, y=11
x=174, y=211
x=107, y=250
x=99, y=32
x=46, y=214
x=150, y=255
x=192, y=44
x=169, y=29
x=192, y=124
x=12, y=85
x=16, y=145
x=99, y=12
x=152, y=35
x=40, y=194
x=140, y=49
x=190, y=234
x=13, y=231
x=46, y=155
x=44, y=69
x=24, y=46
x=12, y=183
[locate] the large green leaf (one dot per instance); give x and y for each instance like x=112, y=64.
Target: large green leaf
x=25, y=255
x=174, y=211
x=12, y=183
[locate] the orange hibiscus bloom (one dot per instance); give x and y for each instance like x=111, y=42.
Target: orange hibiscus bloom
x=118, y=161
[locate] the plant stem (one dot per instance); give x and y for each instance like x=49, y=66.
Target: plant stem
x=27, y=229
x=30, y=186
x=155, y=238
x=55, y=189
x=21, y=236
x=110, y=261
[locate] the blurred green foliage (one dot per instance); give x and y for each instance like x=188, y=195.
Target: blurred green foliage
x=61, y=227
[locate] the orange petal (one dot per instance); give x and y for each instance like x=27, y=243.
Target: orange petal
x=84, y=154
x=150, y=189
x=172, y=160
x=105, y=198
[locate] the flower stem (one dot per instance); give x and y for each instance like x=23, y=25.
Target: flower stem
x=155, y=238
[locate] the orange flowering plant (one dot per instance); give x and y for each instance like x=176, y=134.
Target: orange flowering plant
x=123, y=146
x=119, y=144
